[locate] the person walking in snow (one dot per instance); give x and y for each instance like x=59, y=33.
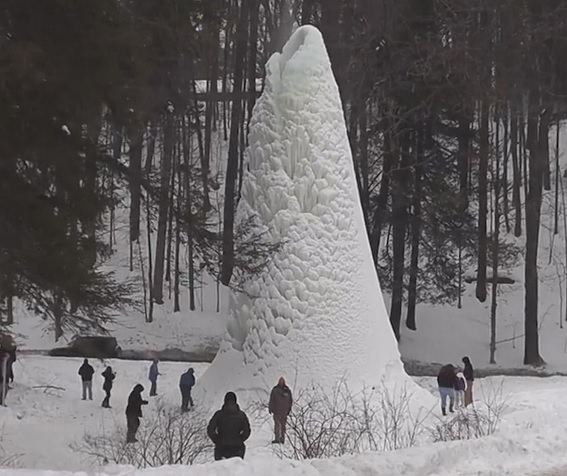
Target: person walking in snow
x=460, y=389
x=446, y=381
x=134, y=413
x=153, y=376
x=86, y=371
x=228, y=429
x=469, y=376
x=109, y=377
x=186, y=383
x=280, y=406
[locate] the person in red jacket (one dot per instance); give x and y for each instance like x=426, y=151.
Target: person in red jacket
x=280, y=406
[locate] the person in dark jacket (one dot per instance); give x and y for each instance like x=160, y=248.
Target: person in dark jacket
x=446, y=380
x=469, y=376
x=229, y=429
x=109, y=376
x=134, y=412
x=86, y=371
x=186, y=383
x=280, y=406
x=153, y=375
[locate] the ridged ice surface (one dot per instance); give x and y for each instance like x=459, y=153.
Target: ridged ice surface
x=316, y=313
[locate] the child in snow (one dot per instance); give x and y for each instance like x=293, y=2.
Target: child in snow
x=460, y=389
x=109, y=376
x=153, y=375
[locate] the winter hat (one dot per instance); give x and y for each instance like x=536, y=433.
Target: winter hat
x=281, y=382
x=466, y=360
x=191, y=370
x=139, y=388
x=230, y=397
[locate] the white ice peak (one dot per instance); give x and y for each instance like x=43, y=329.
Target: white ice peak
x=316, y=312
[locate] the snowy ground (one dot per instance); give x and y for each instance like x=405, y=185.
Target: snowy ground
x=41, y=424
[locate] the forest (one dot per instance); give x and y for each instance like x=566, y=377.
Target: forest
x=453, y=108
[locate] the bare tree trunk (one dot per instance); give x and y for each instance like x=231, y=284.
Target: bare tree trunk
x=415, y=232
x=151, y=149
x=364, y=168
x=10, y=309
x=168, y=254
x=557, y=179
x=187, y=154
x=144, y=286
x=464, y=138
x=58, y=313
x=179, y=200
x=163, y=205
x=517, y=175
x=536, y=137
x=505, y=165
x=399, y=224
x=382, y=202
x=482, y=202
x=495, y=245
x=117, y=140
x=233, y=152
x=150, y=317
x=135, y=137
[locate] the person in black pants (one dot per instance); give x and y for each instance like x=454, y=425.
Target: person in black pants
x=86, y=372
x=186, y=383
x=134, y=412
x=109, y=376
x=229, y=429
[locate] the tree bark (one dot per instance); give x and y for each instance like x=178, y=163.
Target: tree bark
x=415, y=233
x=482, y=202
x=135, y=136
x=382, y=201
x=516, y=175
x=163, y=205
x=399, y=224
x=233, y=152
x=536, y=137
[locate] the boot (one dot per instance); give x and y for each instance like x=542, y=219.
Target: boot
x=451, y=408
x=443, y=411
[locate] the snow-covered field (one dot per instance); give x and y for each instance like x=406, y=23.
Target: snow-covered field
x=41, y=424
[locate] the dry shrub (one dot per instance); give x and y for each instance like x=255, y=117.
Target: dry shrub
x=165, y=437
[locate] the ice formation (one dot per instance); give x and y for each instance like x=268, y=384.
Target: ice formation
x=316, y=313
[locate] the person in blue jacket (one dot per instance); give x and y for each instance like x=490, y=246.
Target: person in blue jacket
x=153, y=375
x=186, y=383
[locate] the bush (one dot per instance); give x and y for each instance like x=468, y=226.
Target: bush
x=164, y=438
x=332, y=423
x=475, y=421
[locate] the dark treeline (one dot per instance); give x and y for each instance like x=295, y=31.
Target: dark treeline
x=144, y=105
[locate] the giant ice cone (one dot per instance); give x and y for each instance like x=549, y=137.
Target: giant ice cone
x=316, y=313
